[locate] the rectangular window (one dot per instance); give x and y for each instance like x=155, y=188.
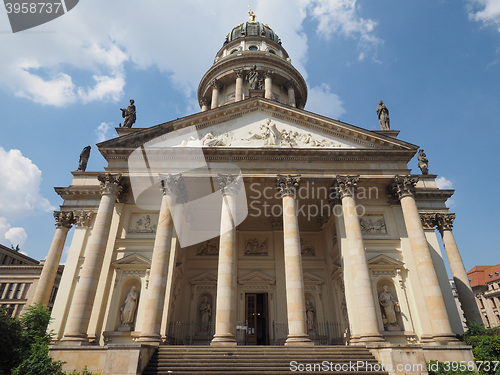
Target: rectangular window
x=493, y=304
x=19, y=289
x=11, y=290
x=53, y=295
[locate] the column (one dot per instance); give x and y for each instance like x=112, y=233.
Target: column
x=268, y=84
x=64, y=220
x=465, y=294
x=83, y=299
x=238, y=94
x=225, y=313
x=204, y=105
x=172, y=187
x=215, y=93
x=291, y=93
x=288, y=186
x=404, y=188
x=358, y=274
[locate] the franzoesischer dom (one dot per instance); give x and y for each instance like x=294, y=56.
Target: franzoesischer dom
x=254, y=223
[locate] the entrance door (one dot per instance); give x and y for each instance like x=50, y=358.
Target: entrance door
x=256, y=316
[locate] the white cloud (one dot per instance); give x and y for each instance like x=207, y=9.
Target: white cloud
x=85, y=56
x=443, y=183
x=17, y=236
x=485, y=11
x=322, y=100
x=102, y=131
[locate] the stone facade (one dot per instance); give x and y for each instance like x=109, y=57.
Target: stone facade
x=257, y=219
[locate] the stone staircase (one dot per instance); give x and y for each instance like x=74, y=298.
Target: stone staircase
x=262, y=360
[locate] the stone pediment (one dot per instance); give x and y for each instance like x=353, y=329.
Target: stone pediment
x=311, y=279
x=133, y=260
x=255, y=123
x=256, y=277
x=204, y=278
x=384, y=261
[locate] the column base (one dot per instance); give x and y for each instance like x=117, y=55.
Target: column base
x=298, y=341
x=151, y=339
x=370, y=338
x=223, y=340
x=444, y=339
x=75, y=339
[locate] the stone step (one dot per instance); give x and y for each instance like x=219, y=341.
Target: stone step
x=257, y=360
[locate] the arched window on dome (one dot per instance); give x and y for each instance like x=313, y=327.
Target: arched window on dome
x=272, y=51
x=233, y=51
x=253, y=48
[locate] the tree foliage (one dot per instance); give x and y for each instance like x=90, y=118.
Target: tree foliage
x=10, y=341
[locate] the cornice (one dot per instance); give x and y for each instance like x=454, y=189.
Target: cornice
x=126, y=143
x=433, y=194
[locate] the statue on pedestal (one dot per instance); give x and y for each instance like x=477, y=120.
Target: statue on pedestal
x=129, y=115
x=128, y=310
x=390, y=307
x=383, y=116
x=84, y=158
x=423, y=162
x=253, y=78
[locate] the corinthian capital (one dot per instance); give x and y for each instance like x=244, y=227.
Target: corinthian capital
x=239, y=72
x=445, y=221
x=288, y=185
x=111, y=184
x=215, y=84
x=229, y=183
x=404, y=186
x=346, y=185
x=173, y=184
x=429, y=221
x=64, y=219
x=82, y=218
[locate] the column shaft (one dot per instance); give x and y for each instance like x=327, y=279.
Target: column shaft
x=291, y=95
x=215, y=94
x=465, y=293
x=268, y=87
x=358, y=275
x=153, y=311
x=225, y=315
x=238, y=94
x=51, y=265
x=431, y=290
x=83, y=300
x=295, y=299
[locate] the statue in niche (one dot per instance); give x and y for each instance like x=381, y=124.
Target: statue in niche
x=128, y=310
x=253, y=78
x=205, y=313
x=383, y=116
x=423, y=162
x=129, y=115
x=84, y=158
x=390, y=307
x=310, y=315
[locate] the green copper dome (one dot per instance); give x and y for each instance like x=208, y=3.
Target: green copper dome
x=249, y=29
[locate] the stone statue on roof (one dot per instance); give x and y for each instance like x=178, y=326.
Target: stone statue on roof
x=129, y=115
x=383, y=116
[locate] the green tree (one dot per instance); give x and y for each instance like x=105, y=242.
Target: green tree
x=39, y=362
x=11, y=346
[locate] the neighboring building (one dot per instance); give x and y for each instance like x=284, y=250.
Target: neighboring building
x=19, y=276
x=485, y=282
x=238, y=225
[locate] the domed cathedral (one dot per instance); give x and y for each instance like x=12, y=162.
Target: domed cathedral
x=252, y=63
x=254, y=223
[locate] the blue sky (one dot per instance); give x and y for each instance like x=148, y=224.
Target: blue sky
x=435, y=63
